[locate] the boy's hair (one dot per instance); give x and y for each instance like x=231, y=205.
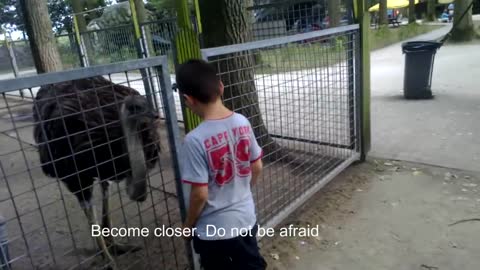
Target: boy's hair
x=198, y=79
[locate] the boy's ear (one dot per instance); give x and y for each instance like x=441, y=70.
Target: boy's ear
x=189, y=99
x=221, y=88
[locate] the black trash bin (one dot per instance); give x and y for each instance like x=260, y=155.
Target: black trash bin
x=419, y=57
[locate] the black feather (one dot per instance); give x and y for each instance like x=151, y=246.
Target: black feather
x=79, y=134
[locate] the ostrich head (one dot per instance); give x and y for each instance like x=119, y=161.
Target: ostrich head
x=136, y=116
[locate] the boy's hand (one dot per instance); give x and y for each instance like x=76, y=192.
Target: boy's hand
x=257, y=168
x=186, y=228
x=198, y=199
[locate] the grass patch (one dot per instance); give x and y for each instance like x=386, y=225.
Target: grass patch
x=385, y=36
x=328, y=51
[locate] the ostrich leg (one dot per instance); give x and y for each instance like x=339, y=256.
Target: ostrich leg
x=115, y=248
x=92, y=220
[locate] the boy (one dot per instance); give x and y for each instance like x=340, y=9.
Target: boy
x=220, y=161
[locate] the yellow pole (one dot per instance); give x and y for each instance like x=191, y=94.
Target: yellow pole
x=81, y=50
x=187, y=46
x=136, y=25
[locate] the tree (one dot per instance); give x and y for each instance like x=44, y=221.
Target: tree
x=59, y=15
x=162, y=8
x=40, y=35
x=431, y=14
x=382, y=12
x=334, y=12
x=411, y=12
x=464, y=29
x=79, y=7
x=10, y=17
x=227, y=22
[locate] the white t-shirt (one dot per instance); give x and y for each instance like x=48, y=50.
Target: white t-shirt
x=219, y=153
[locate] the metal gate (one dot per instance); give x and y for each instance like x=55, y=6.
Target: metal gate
x=301, y=94
x=45, y=226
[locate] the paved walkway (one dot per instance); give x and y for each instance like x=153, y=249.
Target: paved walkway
x=443, y=131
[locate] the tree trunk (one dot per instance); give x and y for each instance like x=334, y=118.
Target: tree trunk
x=334, y=12
x=411, y=12
x=78, y=7
x=431, y=13
x=382, y=13
x=464, y=30
x=40, y=35
x=227, y=22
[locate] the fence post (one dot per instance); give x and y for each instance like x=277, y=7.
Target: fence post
x=82, y=52
x=11, y=55
x=13, y=61
x=363, y=18
x=141, y=51
x=187, y=45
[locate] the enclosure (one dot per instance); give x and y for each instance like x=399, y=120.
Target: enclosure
x=299, y=92
x=46, y=227
x=298, y=82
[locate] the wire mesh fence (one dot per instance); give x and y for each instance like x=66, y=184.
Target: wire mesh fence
x=160, y=35
x=280, y=18
x=19, y=50
x=68, y=49
x=300, y=94
x=115, y=44
x=69, y=154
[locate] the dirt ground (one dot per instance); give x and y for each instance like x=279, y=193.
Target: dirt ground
x=386, y=215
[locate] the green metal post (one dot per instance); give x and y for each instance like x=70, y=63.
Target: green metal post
x=82, y=52
x=187, y=46
x=363, y=18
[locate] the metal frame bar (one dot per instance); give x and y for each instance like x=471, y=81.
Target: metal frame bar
x=344, y=146
x=168, y=101
x=206, y=53
x=79, y=73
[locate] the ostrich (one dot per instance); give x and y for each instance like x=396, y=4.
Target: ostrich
x=91, y=129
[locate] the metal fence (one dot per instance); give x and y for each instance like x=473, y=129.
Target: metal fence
x=53, y=161
x=280, y=18
x=300, y=92
x=301, y=95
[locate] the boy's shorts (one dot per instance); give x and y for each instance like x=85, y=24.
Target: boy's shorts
x=239, y=253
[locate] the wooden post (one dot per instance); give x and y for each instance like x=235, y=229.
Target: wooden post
x=363, y=18
x=187, y=46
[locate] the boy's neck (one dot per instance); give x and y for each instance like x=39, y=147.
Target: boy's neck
x=215, y=111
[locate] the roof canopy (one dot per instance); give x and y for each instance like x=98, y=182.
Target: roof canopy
x=391, y=4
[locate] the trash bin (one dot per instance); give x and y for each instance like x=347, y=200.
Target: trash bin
x=4, y=257
x=419, y=56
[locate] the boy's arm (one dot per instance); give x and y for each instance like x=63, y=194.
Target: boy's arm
x=256, y=154
x=198, y=199
x=257, y=168
x=194, y=172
